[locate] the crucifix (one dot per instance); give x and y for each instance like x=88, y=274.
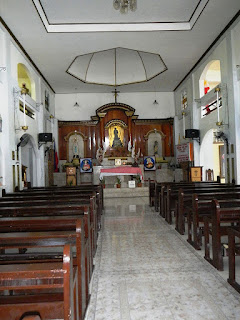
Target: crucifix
x=115, y=92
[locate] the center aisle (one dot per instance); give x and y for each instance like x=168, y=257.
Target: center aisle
x=145, y=270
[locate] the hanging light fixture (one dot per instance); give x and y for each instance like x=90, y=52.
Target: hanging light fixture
x=124, y=5
x=76, y=105
x=24, y=91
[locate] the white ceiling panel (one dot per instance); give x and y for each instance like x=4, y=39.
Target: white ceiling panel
x=53, y=53
x=102, y=11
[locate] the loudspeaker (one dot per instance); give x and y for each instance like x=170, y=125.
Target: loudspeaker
x=192, y=133
x=45, y=137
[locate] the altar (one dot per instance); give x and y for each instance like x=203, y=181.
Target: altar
x=121, y=171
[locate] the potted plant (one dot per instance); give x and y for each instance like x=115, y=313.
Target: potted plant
x=118, y=183
x=138, y=181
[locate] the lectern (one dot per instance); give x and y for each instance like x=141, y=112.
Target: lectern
x=71, y=176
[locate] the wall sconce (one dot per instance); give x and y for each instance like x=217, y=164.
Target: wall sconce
x=16, y=94
x=0, y=123
x=184, y=123
x=218, y=123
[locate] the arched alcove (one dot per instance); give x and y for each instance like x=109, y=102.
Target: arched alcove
x=28, y=152
x=155, y=143
x=210, y=77
x=212, y=156
x=75, y=145
x=24, y=77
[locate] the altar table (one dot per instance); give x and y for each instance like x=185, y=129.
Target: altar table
x=121, y=171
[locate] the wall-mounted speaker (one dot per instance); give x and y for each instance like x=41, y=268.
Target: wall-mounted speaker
x=45, y=137
x=192, y=133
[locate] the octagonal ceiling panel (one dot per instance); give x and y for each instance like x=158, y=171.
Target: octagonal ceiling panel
x=116, y=67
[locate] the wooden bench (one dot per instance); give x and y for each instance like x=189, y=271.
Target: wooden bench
x=69, y=194
x=50, y=288
x=183, y=202
x=201, y=206
x=220, y=220
x=233, y=250
x=163, y=193
x=57, y=231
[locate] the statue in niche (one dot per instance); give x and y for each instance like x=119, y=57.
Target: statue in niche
x=116, y=141
x=75, y=148
x=155, y=147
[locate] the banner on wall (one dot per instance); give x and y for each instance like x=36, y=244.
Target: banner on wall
x=184, y=152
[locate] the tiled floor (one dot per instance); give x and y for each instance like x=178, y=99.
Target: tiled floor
x=145, y=270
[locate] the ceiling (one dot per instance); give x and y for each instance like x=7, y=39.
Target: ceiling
x=54, y=33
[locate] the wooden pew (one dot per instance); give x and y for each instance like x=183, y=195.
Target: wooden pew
x=57, y=210
x=233, y=249
x=171, y=186
x=40, y=283
x=201, y=206
x=183, y=202
x=64, y=205
x=151, y=188
x=222, y=218
x=85, y=188
x=69, y=194
x=55, y=231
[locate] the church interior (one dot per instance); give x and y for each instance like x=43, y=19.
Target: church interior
x=119, y=160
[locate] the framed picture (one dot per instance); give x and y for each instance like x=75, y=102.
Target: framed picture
x=118, y=162
x=149, y=163
x=86, y=165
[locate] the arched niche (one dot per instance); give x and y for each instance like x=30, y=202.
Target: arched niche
x=28, y=156
x=24, y=77
x=113, y=126
x=210, y=77
x=212, y=155
x=76, y=145
x=155, y=143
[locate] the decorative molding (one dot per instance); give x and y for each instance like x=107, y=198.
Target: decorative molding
x=101, y=114
x=77, y=123
x=129, y=113
x=116, y=27
x=66, y=138
x=116, y=122
x=153, y=121
x=113, y=105
x=154, y=131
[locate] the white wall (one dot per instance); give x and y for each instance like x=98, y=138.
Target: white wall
x=227, y=50
x=142, y=102
x=10, y=56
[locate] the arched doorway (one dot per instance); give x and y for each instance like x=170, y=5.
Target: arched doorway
x=28, y=158
x=212, y=156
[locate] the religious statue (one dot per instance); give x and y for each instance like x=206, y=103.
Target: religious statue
x=155, y=147
x=75, y=147
x=100, y=154
x=116, y=141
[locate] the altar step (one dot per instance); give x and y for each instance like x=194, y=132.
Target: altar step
x=125, y=192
